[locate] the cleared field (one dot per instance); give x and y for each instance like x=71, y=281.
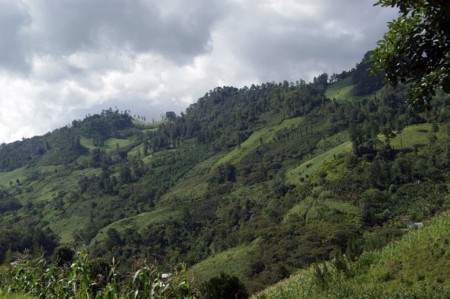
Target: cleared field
x=415, y=135
x=231, y=261
x=139, y=222
x=311, y=166
x=341, y=90
x=6, y=178
x=264, y=135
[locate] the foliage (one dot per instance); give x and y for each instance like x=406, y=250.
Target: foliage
x=414, y=267
x=258, y=182
x=416, y=47
x=84, y=279
x=224, y=287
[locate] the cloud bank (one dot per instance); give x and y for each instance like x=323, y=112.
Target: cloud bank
x=60, y=60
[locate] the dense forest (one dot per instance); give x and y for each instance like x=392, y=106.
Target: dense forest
x=256, y=182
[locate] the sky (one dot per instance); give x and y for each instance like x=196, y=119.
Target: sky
x=63, y=59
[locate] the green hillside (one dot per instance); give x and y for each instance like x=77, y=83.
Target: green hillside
x=257, y=182
x=417, y=266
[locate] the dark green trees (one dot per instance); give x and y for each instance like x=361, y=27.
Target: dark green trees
x=224, y=287
x=416, y=48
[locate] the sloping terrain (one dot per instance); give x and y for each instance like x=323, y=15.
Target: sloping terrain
x=417, y=266
x=258, y=182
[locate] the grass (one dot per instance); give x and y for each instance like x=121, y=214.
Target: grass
x=50, y=188
x=12, y=176
x=264, y=135
x=232, y=262
x=138, y=222
x=317, y=210
x=87, y=143
x=183, y=189
x=308, y=168
x=415, y=135
x=341, y=90
x=417, y=266
x=109, y=145
x=112, y=143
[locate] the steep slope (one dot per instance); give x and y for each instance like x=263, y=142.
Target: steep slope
x=417, y=266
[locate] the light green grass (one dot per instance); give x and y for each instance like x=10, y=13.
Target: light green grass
x=417, y=264
x=192, y=186
x=138, y=222
x=66, y=227
x=311, y=166
x=415, y=135
x=232, y=262
x=264, y=135
x=87, y=143
x=318, y=210
x=110, y=144
x=113, y=143
x=341, y=90
x=12, y=176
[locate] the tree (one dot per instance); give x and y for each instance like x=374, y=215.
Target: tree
x=416, y=49
x=224, y=287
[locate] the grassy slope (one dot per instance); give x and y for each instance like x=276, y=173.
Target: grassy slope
x=341, y=90
x=414, y=135
x=264, y=135
x=417, y=265
x=308, y=168
x=231, y=261
x=7, y=177
x=138, y=222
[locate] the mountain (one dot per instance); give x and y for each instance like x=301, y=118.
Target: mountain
x=257, y=182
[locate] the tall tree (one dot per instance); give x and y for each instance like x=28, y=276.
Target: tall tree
x=416, y=48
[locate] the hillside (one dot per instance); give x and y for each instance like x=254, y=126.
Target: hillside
x=258, y=182
x=416, y=266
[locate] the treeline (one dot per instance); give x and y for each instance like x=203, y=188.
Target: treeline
x=62, y=146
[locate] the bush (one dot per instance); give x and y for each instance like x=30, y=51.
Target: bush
x=224, y=287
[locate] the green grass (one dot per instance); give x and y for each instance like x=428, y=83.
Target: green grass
x=308, y=168
x=341, y=90
x=318, y=210
x=109, y=145
x=87, y=143
x=264, y=135
x=232, y=262
x=50, y=187
x=12, y=176
x=113, y=143
x=417, y=266
x=415, y=135
x=192, y=186
x=138, y=222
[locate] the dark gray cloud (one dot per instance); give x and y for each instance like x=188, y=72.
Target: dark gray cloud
x=62, y=59
x=13, y=51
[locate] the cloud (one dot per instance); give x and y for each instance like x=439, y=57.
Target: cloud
x=60, y=60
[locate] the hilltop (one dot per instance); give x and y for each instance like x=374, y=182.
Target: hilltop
x=258, y=182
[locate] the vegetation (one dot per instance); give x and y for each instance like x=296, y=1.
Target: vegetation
x=93, y=278
x=256, y=182
x=416, y=47
x=414, y=267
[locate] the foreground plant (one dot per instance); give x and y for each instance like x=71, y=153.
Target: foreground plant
x=93, y=278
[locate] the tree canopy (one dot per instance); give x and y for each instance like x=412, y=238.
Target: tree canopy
x=416, y=49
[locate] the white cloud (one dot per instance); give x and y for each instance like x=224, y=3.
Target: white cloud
x=60, y=60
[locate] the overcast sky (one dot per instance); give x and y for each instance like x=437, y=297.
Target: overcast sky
x=63, y=59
